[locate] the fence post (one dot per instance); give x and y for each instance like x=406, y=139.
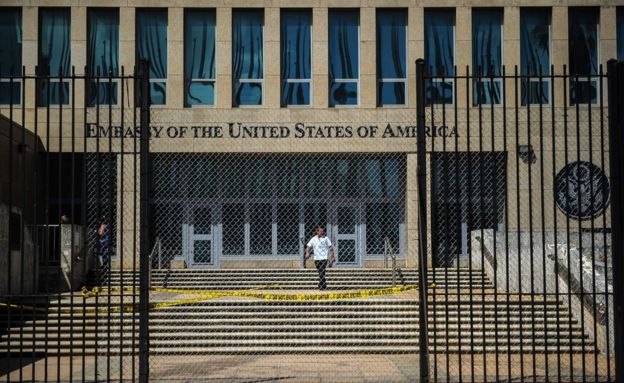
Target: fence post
x=616, y=165
x=423, y=340
x=144, y=261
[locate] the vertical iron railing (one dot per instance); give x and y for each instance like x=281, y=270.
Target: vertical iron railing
x=65, y=143
x=526, y=195
x=144, y=209
x=615, y=71
x=423, y=339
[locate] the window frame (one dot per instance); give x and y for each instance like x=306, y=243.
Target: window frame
x=447, y=79
x=359, y=58
x=104, y=79
x=284, y=81
x=589, y=77
x=15, y=80
x=52, y=79
x=488, y=78
x=250, y=80
x=543, y=78
x=390, y=80
x=193, y=80
x=153, y=80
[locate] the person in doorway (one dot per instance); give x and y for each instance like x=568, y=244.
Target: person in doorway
x=323, y=251
x=103, y=245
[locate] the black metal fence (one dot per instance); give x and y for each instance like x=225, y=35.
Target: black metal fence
x=519, y=203
x=64, y=226
x=525, y=195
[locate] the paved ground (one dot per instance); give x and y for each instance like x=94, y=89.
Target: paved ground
x=315, y=368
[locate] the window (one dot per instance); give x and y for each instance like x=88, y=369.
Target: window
x=199, y=57
x=151, y=44
x=620, y=33
x=287, y=228
x=103, y=55
x=383, y=221
x=391, y=56
x=233, y=241
x=535, y=55
x=583, y=49
x=344, y=57
x=54, y=56
x=260, y=229
x=295, y=40
x=440, y=54
x=11, y=54
x=247, y=56
x=487, y=55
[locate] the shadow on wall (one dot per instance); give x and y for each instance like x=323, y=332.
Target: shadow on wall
x=519, y=267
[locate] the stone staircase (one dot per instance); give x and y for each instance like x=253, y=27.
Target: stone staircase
x=465, y=315
x=289, y=279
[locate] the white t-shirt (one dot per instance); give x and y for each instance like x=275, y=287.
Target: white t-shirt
x=320, y=246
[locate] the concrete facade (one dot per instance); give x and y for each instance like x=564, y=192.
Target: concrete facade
x=65, y=124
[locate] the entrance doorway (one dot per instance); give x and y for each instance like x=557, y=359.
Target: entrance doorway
x=199, y=237
x=345, y=233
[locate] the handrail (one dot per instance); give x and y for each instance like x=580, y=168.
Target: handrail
x=157, y=245
x=389, y=252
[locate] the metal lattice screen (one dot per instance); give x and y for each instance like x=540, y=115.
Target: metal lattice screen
x=208, y=208
x=468, y=193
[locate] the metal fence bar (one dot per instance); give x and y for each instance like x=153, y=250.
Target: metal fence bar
x=422, y=224
x=144, y=235
x=616, y=158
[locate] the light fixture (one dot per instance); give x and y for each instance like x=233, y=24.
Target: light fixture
x=526, y=154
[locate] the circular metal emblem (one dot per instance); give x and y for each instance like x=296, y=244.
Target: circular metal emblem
x=582, y=190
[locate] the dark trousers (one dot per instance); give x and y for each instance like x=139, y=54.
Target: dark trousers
x=320, y=266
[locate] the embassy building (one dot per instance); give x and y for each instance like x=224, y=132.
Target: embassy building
x=269, y=118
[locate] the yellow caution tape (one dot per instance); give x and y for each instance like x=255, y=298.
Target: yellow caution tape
x=203, y=295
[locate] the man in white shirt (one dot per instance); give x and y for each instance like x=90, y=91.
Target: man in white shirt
x=323, y=249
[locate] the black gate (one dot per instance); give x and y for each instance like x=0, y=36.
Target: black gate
x=527, y=198
x=521, y=207
x=74, y=174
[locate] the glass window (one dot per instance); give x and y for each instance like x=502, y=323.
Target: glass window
x=295, y=40
x=199, y=57
x=11, y=54
x=382, y=178
x=535, y=54
x=440, y=54
x=620, y=33
x=583, y=49
x=382, y=220
x=260, y=229
x=247, y=56
x=233, y=217
x=54, y=56
x=287, y=228
x=259, y=176
x=487, y=55
x=344, y=56
x=346, y=177
x=151, y=44
x=103, y=55
x=315, y=214
x=391, y=56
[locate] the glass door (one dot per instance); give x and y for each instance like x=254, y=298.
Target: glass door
x=345, y=235
x=201, y=244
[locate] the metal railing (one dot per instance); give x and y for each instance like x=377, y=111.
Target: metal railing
x=157, y=248
x=390, y=253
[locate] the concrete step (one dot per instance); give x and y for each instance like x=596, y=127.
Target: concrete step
x=450, y=311
x=337, y=322
x=439, y=328
x=299, y=350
